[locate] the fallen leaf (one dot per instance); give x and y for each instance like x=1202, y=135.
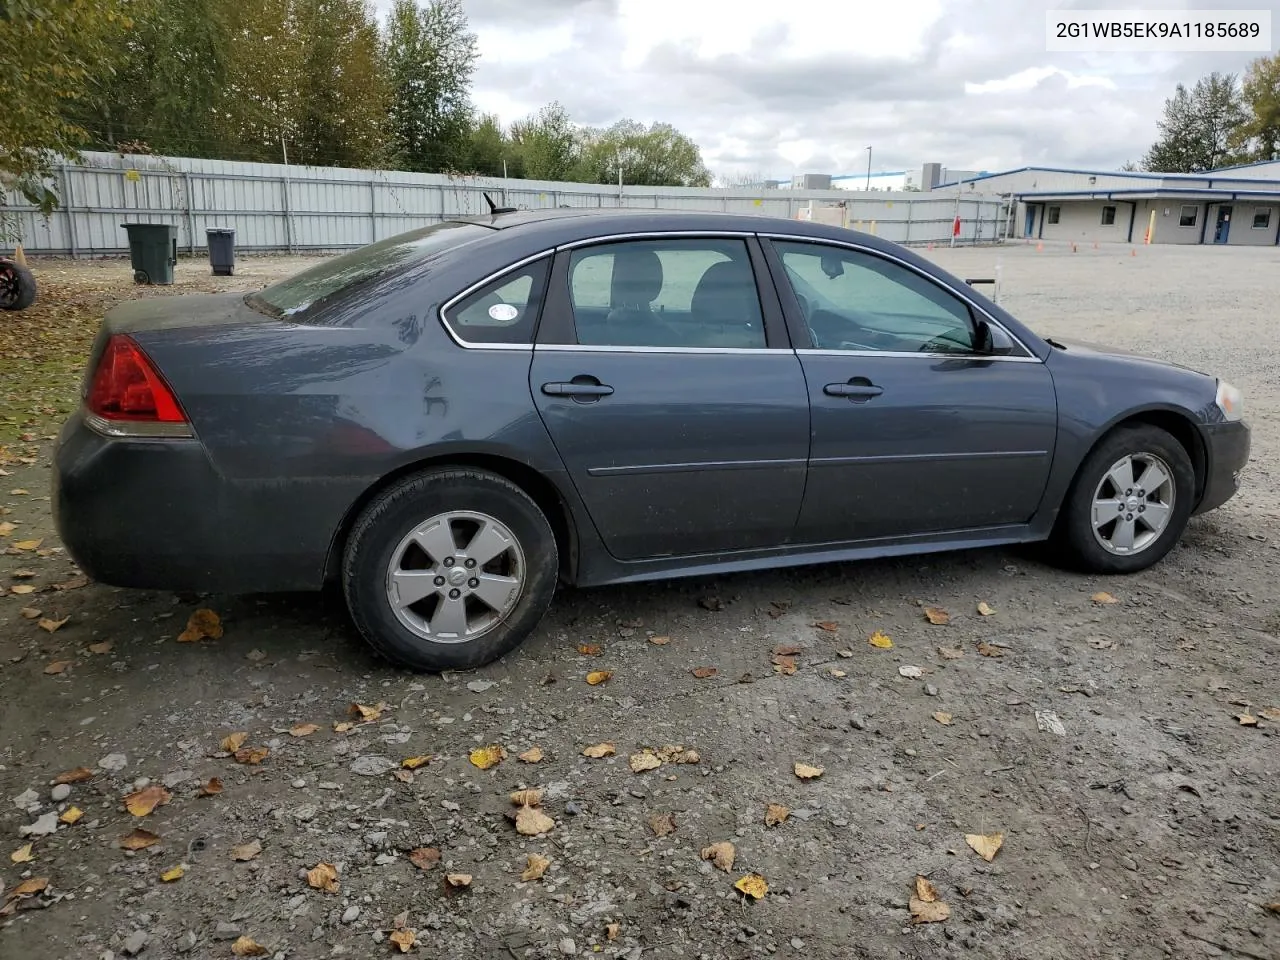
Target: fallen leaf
x=599, y=750
x=303, y=729
x=172, y=874
x=19, y=492
x=233, y=742
x=784, y=665
x=26, y=544
x=526, y=798
x=23, y=854
x=530, y=822
x=670, y=754
x=721, y=855
x=6, y=528
x=985, y=845
x=704, y=673
x=457, y=881
x=985, y=609
x=612, y=930
x=1273, y=907
x=75, y=583
x=424, y=858
x=937, y=616
x=71, y=815
x=142, y=802
x=753, y=885
x=404, y=776
x=202, y=623
x=911, y=673
x=1247, y=720
x=828, y=625
x=248, y=947
x=532, y=755
x=590, y=649
x=323, y=876
x=246, y=851
x=486, y=757
x=343, y=727
x=943, y=718
x=987, y=650
x=413, y=763
x=139, y=840
x=23, y=574
x=358, y=711
x=660, y=641
x=58, y=666
x=640, y=762
x=251, y=756
x=404, y=939
x=22, y=589
x=597, y=677
x=806, y=772
x=101, y=648
x=52, y=626
x=1103, y=597
x=29, y=888
x=212, y=788
x=837, y=673
x=1270, y=713
x=787, y=651
x=29, y=613
x=662, y=824
x=880, y=640
x=711, y=603
x=776, y=813
x=950, y=654
x=844, y=654
x=535, y=868
x=925, y=890
x=928, y=911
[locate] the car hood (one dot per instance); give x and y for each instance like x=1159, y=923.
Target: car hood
x=1101, y=350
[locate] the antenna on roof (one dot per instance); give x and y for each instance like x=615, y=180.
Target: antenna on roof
x=494, y=208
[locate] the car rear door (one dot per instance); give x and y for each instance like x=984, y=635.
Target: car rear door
x=915, y=430
x=664, y=376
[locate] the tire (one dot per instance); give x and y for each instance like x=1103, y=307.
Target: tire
x=460, y=501
x=17, y=286
x=1075, y=540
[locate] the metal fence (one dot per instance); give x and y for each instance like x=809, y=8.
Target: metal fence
x=285, y=208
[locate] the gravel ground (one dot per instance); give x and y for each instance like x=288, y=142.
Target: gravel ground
x=1100, y=739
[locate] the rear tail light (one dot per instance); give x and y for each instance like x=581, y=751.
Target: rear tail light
x=128, y=397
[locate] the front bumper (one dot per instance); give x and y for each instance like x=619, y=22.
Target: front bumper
x=1227, y=451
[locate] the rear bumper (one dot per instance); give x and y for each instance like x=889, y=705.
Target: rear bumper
x=156, y=514
x=1228, y=452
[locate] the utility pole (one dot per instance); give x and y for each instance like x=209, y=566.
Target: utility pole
x=868, y=168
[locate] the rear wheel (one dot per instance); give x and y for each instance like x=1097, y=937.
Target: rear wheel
x=17, y=286
x=449, y=569
x=1129, y=503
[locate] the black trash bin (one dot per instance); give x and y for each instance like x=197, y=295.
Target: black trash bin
x=222, y=251
x=153, y=251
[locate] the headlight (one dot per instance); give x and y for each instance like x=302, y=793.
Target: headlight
x=1230, y=401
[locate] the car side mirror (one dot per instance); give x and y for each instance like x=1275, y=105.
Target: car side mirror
x=994, y=341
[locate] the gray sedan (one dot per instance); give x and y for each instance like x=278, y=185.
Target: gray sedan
x=452, y=421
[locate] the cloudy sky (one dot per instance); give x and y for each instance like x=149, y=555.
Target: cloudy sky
x=799, y=86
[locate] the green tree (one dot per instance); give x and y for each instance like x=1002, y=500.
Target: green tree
x=488, y=148
x=429, y=56
x=48, y=51
x=657, y=156
x=1198, y=126
x=546, y=144
x=1258, y=137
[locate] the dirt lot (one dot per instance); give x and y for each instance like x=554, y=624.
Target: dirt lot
x=1147, y=826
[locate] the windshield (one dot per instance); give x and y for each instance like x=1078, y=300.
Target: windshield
x=334, y=279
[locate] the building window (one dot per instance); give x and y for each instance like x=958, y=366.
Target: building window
x=1054, y=214
x=1108, y=216
x=1189, y=215
x=1261, y=218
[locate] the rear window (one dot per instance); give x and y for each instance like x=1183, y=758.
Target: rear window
x=305, y=294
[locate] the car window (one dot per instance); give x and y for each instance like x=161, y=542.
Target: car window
x=666, y=293
x=857, y=301
x=505, y=310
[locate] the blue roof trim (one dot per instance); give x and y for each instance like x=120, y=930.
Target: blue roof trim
x=1207, y=175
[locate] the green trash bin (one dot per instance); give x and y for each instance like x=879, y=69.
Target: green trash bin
x=153, y=251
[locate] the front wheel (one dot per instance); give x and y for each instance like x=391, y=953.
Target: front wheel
x=1129, y=503
x=449, y=569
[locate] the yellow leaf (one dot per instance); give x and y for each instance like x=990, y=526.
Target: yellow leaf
x=57, y=667
x=22, y=589
x=71, y=815
x=704, y=673
x=721, y=854
x=6, y=528
x=985, y=845
x=925, y=890
x=233, y=742
x=52, y=626
x=139, y=840
x=880, y=640
x=753, y=885
x=597, y=677
x=1247, y=720
x=943, y=718
x=303, y=729
x=660, y=641
x=29, y=888
x=928, y=911
x=937, y=616
x=323, y=876
x=246, y=851
x=251, y=756
x=457, y=880
x=20, y=492
x=590, y=649
x=530, y=821
x=29, y=613
x=985, y=609
x=247, y=947
x=1103, y=597
x=404, y=939
x=536, y=867
x=776, y=813
x=806, y=772
x=486, y=757
x=343, y=727
x=640, y=762
x=532, y=755
x=413, y=763
x=142, y=802
x=202, y=623
x=23, y=854
x=599, y=750
x=173, y=874
x=526, y=798
x=26, y=544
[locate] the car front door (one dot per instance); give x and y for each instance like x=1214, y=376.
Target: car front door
x=669, y=388
x=917, y=429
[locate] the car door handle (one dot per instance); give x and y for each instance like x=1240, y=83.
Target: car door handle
x=575, y=388
x=859, y=388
